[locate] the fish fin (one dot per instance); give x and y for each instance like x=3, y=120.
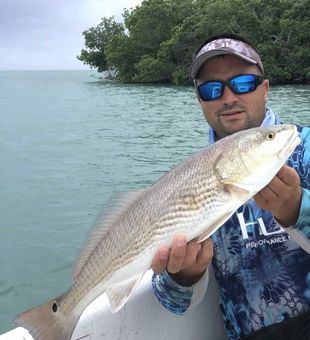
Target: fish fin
x=114, y=208
x=223, y=172
x=119, y=294
x=206, y=234
x=47, y=322
x=237, y=192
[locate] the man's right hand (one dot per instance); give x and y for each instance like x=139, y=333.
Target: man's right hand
x=185, y=262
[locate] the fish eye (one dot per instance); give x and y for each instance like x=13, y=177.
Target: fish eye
x=270, y=135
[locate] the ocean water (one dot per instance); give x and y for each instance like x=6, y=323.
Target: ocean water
x=68, y=141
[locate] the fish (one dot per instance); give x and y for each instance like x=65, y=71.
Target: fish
x=194, y=198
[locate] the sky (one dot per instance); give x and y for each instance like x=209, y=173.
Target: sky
x=47, y=34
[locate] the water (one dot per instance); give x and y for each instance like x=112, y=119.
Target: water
x=67, y=143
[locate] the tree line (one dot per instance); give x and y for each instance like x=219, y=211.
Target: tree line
x=156, y=40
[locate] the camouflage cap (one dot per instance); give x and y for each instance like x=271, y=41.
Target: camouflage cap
x=225, y=46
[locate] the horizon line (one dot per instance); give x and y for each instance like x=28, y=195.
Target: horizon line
x=46, y=69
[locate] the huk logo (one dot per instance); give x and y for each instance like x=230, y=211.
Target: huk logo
x=262, y=231
x=261, y=225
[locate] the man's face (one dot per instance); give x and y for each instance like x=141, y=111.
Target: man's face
x=232, y=112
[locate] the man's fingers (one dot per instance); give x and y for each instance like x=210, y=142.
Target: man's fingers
x=268, y=195
x=183, y=256
x=192, y=250
x=260, y=201
x=160, y=260
x=177, y=254
x=289, y=176
x=282, y=196
x=277, y=191
x=205, y=253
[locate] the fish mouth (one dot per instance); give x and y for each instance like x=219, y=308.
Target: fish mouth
x=291, y=144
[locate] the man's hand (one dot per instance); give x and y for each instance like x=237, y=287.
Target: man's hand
x=185, y=262
x=282, y=196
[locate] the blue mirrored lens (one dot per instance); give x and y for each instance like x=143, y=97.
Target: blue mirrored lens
x=243, y=84
x=210, y=90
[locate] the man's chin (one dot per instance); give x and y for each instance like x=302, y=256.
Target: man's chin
x=225, y=131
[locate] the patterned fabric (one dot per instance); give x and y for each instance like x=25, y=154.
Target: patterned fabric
x=263, y=273
x=225, y=46
x=171, y=295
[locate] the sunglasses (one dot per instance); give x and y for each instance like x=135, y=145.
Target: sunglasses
x=243, y=83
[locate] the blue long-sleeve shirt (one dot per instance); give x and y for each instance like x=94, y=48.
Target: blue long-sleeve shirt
x=262, y=270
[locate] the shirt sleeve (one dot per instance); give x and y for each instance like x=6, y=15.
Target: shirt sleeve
x=176, y=298
x=300, y=160
x=300, y=232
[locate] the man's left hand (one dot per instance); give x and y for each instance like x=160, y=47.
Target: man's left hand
x=282, y=196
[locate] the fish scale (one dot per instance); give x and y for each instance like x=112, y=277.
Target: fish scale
x=194, y=198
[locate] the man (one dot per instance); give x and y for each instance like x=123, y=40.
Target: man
x=261, y=255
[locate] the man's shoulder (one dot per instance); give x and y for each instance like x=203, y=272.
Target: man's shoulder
x=304, y=133
x=300, y=158
x=303, y=130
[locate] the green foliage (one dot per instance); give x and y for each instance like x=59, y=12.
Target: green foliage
x=122, y=55
x=153, y=70
x=157, y=39
x=96, y=41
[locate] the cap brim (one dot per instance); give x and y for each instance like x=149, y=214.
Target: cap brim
x=197, y=64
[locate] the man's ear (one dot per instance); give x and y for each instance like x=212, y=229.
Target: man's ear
x=266, y=89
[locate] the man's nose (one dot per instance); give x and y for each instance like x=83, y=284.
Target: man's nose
x=229, y=97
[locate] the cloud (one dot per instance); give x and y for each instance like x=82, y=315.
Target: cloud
x=44, y=34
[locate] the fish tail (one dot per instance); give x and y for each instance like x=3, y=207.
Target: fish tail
x=47, y=322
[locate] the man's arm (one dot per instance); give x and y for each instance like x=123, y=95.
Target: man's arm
x=300, y=232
